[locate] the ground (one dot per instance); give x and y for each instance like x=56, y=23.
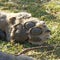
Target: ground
x=44, y=10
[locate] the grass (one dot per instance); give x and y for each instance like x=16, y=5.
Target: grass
x=46, y=11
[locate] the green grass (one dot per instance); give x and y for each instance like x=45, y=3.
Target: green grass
x=46, y=11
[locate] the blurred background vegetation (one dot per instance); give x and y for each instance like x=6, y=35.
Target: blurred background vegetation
x=46, y=10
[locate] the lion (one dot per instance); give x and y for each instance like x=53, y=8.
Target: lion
x=7, y=20
x=21, y=27
x=31, y=29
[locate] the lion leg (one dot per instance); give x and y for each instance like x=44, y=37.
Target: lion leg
x=7, y=34
x=12, y=34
